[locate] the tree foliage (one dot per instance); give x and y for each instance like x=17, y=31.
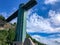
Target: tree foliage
x=3, y=37
x=6, y=36
x=11, y=35
x=2, y=18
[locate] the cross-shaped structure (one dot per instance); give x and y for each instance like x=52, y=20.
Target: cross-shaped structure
x=21, y=14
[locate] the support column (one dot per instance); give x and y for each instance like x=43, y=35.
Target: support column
x=21, y=26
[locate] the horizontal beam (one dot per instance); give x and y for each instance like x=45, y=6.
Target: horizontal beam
x=29, y=5
x=14, y=15
x=26, y=6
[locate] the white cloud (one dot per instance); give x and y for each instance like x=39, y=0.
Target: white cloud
x=51, y=13
x=54, y=17
x=51, y=1
x=36, y=23
x=45, y=40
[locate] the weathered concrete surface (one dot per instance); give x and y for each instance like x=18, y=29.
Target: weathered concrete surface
x=28, y=41
x=17, y=43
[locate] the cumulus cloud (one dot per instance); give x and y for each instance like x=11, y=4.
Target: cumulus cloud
x=54, y=17
x=51, y=1
x=37, y=23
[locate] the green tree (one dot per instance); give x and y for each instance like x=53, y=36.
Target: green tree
x=11, y=35
x=3, y=37
x=2, y=18
x=14, y=24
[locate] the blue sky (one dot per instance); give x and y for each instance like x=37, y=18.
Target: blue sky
x=43, y=20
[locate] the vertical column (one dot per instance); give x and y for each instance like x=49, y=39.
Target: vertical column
x=24, y=25
x=21, y=25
